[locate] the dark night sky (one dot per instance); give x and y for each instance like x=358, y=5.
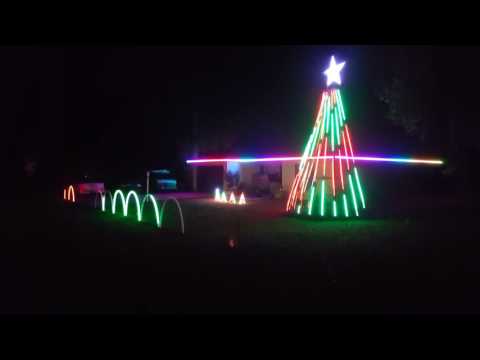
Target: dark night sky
x=113, y=110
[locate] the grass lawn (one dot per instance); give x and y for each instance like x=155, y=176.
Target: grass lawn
x=60, y=257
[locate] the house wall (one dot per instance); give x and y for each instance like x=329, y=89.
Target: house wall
x=249, y=174
x=287, y=171
x=288, y=174
x=247, y=170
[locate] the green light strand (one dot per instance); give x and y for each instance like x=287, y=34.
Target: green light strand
x=334, y=208
x=359, y=187
x=305, y=153
x=315, y=136
x=155, y=207
x=345, y=205
x=342, y=109
x=298, y=209
x=325, y=108
x=322, y=208
x=353, y=194
x=307, y=148
x=339, y=114
x=312, y=192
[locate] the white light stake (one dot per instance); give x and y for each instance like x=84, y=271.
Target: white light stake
x=224, y=197
x=242, y=201
x=217, y=195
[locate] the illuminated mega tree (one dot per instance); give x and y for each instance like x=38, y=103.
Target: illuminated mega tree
x=328, y=182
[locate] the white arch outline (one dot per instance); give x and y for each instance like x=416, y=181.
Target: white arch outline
x=137, y=202
x=103, y=195
x=140, y=208
x=155, y=206
x=179, y=210
x=115, y=201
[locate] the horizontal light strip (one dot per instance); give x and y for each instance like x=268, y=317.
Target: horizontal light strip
x=297, y=158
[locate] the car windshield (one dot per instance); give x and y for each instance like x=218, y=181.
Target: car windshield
x=162, y=174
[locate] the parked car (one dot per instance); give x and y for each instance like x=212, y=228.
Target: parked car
x=90, y=187
x=162, y=180
x=89, y=184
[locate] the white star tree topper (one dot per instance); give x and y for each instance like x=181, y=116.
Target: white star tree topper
x=333, y=72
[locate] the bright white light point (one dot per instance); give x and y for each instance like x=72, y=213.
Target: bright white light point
x=333, y=72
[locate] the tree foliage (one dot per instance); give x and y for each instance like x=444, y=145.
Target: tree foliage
x=408, y=90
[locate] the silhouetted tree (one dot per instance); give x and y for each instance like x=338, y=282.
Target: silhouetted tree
x=408, y=90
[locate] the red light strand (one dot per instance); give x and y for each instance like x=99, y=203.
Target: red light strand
x=345, y=148
x=341, y=171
